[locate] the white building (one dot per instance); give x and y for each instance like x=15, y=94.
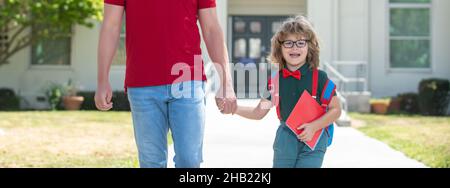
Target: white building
x=401, y=44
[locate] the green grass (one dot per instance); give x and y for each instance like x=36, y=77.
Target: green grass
x=67, y=139
x=426, y=139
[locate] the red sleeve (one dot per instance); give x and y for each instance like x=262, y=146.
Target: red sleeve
x=115, y=2
x=206, y=4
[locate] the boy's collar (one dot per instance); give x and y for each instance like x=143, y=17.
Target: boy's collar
x=304, y=69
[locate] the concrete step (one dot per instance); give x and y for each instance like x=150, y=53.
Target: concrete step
x=357, y=101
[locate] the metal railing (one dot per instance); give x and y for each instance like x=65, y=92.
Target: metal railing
x=359, y=79
x=343, y=82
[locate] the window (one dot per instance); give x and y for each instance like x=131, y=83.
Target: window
x=276, y=26
x=121, y=54
x=240, y=47
x=410, y=34
x=239, y=26
x=255, y=27
x=52, y=52
x=255, y=48
x=251, y=37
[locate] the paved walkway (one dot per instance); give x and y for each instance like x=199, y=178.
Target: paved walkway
x=235, y=142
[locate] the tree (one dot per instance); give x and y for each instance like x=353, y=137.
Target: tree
x=27, y=22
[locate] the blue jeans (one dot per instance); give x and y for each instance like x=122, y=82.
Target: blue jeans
x=289, y=152
x=179, y=108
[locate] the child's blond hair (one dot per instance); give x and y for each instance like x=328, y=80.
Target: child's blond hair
x=301, y=26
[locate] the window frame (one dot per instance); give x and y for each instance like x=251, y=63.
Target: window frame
x=51, y=66
x=390, y=6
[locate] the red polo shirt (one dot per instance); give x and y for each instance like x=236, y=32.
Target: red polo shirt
x=160, y=34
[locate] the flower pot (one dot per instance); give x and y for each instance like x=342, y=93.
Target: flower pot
x=72, y=102
x=379, y=108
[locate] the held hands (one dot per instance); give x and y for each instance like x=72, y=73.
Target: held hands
x=226, y=106
x=226, y=100
x=308, y=132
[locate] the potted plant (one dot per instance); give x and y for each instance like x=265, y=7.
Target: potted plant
x=71, y=99
x=379, y=106
x=53, y=94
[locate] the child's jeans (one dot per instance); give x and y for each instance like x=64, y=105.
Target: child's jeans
x=290, y=152
x=178, y=107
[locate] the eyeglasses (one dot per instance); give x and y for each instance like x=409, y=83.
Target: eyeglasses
x=290, y=43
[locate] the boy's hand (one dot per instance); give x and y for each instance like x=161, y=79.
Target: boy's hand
x=308, y=132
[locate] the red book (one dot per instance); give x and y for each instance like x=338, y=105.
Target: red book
x=305, y=111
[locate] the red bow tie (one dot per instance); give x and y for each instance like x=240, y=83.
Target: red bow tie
x=296, y=74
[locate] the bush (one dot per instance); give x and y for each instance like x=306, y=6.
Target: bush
x=54, y=93
x=434, y=96
x=409, y=103
x=8, y=100
x=88, y=103
x=120, y=101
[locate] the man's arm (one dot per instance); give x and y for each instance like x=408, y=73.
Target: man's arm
x=215, y=43
x=109, y=38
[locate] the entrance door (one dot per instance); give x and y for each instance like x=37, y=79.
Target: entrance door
x=251, y=43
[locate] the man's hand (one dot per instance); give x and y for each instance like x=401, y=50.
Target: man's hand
x=103, y=97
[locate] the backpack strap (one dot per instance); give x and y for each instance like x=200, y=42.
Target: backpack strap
x=315, y=83
x=274, y=87
x=328, y=92
x=325, y=98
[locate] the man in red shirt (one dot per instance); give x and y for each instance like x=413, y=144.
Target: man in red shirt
x=164, y=73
